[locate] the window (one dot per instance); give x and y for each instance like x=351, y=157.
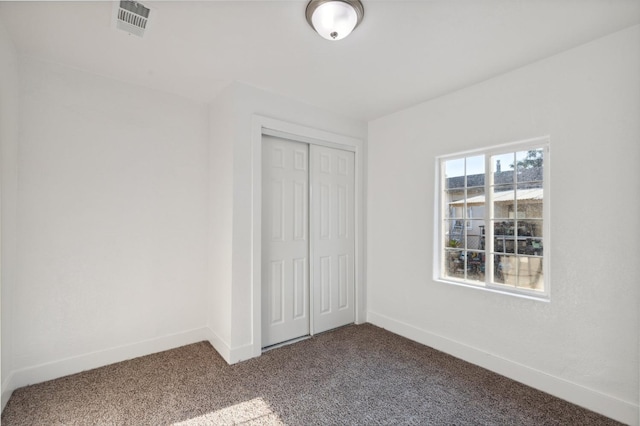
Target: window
x=493, y=224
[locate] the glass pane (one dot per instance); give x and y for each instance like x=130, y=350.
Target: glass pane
x=530, y=233
x=483, y=236
x=531, y=210
x=454, y=233
x=521, y=245
x=454, y=173
x=529, y=165
x=475, y=201
x=530, y=201
x=529, y=228
x=504, y=200
x=454, y=263
x=475, y=171
x=536, y=247
x=502, y=168
x=505, y=270
x=504, y=239
x=454, y=207
x=530, y=237
x=530, y=275
x=475, y=236
x=475, y=266
x=527, y=185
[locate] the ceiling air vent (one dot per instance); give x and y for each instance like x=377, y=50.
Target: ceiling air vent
x=132, y=17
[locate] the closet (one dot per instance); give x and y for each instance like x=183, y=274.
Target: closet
x=308, y=239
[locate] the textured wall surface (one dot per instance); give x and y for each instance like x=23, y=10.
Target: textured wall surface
x=112, y=208
x=587, y=100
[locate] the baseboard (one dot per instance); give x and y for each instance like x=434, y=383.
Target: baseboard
x=7, y=389
x=219, y=345
x=622, y=411
x=231, y=356
x=242, y=353
x=53, y=370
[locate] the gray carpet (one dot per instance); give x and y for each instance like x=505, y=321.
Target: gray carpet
x=354, y=375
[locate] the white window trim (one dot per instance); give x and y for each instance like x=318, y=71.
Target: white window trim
x=439, y=214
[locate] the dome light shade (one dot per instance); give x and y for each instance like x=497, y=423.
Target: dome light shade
x=334, y=19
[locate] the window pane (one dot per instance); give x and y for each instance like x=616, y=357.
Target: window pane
x=503, y=237
x=521, y=245
x=454, y=173
x=531, y=232
x=475, y=171
x=475, y=229
x=530, y=275
x=505, y=268
x=533, y=184
x=502, y=168
x=474, y=181
x=530, y=201
x=523, y=237
x=475, y=266
x=454, y=232
x=504, y=200
x=454, y=263
x=454, y=208
x=529, y=165
x=530, y=210
x=475, y=200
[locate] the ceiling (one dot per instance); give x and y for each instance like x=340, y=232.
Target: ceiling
x=403, y=53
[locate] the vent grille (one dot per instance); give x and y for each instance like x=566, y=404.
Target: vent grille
x=132, y=17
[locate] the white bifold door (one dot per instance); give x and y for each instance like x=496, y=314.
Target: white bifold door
x=308, y=239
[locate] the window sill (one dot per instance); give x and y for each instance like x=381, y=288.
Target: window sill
x=514, y=293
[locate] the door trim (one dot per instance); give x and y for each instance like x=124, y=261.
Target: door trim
x=260, y=126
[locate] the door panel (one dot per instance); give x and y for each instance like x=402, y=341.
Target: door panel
x=285, y=240
x=332, y=237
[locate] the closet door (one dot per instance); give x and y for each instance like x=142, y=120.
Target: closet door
x=285, y=240
x=332, y=237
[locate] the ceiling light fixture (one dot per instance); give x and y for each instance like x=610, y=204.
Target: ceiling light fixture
x=334, y=19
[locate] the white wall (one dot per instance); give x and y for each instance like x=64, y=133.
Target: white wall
x=112, y=222
x=134, y=214
x=583, y=345
x=245, y=101
x=218, y=296
x=9, y=106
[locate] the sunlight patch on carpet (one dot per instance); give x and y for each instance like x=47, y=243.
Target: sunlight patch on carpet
x=255, y=411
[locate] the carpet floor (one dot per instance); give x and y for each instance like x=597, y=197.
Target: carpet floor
x=355, y=375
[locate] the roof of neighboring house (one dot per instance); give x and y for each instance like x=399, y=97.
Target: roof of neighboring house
x=532, y=174
x=503, y=197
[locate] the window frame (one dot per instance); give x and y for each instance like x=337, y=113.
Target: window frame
x=440, y=233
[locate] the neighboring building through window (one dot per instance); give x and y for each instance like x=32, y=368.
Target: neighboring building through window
x=493, y=218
